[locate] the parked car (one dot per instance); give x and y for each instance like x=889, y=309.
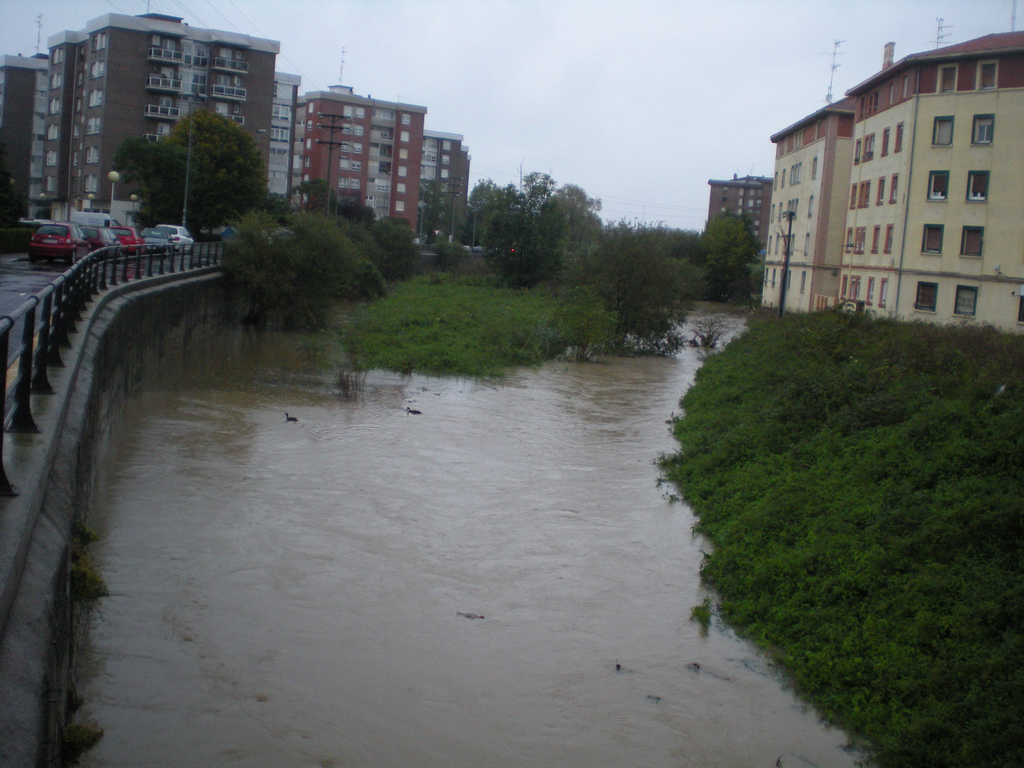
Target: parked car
x=99, y=237
x=60, y=240
x=130, y=239
x=178, y=235
x=156, y=239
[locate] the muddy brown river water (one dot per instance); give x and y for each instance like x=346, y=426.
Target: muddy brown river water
x=296, y=593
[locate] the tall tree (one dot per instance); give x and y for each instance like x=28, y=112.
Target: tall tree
x=730, y=251
x=582, y=224
x=226, y=173
x=524, y=232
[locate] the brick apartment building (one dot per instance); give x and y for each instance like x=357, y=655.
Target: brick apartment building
x=446, y=159
x=24, y=84
x=748, y=196
x=133, y=76
x=363, y=148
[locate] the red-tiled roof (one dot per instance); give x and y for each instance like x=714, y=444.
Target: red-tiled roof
x=843, y=105
x=991, y=44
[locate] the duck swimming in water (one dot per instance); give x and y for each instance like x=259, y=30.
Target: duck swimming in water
x=289, y=418
x=412, y=411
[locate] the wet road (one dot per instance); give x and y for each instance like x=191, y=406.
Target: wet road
x=18, y=281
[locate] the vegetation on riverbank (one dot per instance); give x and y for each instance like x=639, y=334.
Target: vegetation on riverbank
x=862, y=482
x=456, y=327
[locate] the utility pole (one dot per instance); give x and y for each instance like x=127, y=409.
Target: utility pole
x=787, y=214
x=334, y=127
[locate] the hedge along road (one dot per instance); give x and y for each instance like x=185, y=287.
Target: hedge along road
x=496, y=581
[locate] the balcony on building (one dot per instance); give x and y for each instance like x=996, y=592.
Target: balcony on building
x=163, y=111
x=228, y=92
x=238, y=119
x=161, y=83
x=159, y=53
x=230, y=65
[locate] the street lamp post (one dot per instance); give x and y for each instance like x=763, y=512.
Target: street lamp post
x=188, y=167
x=113, y=177
x=790, y=215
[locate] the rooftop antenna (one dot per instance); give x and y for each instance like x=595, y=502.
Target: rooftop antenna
x=341, y=69
x=940, y=32
x=835, y=66
x=39, y=31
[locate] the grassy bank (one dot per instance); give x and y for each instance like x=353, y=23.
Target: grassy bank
x=863, y=484
x=440, y=325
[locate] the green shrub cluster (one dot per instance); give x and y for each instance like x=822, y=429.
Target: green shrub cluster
x=443, y=325
x=863, y=483
x=15, y=240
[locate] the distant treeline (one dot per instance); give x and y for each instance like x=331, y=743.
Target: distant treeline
x=863, y=483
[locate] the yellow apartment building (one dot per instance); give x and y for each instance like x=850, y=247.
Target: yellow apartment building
x=934, y=225
x=812, y=169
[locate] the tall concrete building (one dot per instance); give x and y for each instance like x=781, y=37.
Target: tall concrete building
x=812, y=174
x=748, y=196
x=282, y=118
x=363, y=148
x=24, y=83
x=934, y=229
x=135, y=76
x=446, y=159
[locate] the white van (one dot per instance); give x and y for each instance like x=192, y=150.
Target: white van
x=93, y=219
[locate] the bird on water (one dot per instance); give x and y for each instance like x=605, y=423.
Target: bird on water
x=289, y=418
x=413, y=411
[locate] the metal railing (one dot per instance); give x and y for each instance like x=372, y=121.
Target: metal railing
x=44, y=322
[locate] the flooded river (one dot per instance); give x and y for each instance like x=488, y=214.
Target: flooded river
x=306, y=593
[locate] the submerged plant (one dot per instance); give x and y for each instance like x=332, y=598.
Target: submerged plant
x=702, y=613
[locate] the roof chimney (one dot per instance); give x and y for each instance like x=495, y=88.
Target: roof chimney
x=887, y=55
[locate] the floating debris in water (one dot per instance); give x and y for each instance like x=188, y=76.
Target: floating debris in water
x=655, y=699
x=468, y=615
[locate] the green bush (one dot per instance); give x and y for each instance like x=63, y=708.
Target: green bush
x=862, y=482
x=15, y=240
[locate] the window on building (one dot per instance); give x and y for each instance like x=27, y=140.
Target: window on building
x=897, y=145
x=54, y=107
x=876, y=235
x=401, y=188
x=855, y=288
x=983, y=130
x=803, y=281
x=892, y=187
x=942, y=131
x=403, y=171
x=869, y=147
x=887, y=248
x=99, y=42
x=95, y=98
x=92, y=154
x=880, y=197
x=987, y=75
x=404, y=136
x=92, y=183
x=885, y=142
x=97, y=68
x=53, y=131
x=977, y=185
x=971, y=241
x=870, y=297
x=926, y=296
x=938, y=185
x=814, y=168
x=947, y=79
x=403, y=154
x=810, y=206
x=883, y=291
x=864, y=197
x=849, y=239
x=853, y=196
x=51, y=158
x=406, y=119
x=932, y=240
x=856, y=152
x=860, y=235
x=56, y=80
x=842, y=291
x=966, y=300
x=399, y=206
x=1020, y=305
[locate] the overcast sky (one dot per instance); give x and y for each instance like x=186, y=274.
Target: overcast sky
x=639, y=102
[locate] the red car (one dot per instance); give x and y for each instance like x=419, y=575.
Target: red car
x=130, y=239
x=60, y=240
x=99, y=237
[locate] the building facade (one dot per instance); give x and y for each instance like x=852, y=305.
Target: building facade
x=364, y=148
x=749, y=196
x=24, y=83
x=446, y=159
x=135, y=76
x=282, y=118
x=808, y=214
x=934, y=230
